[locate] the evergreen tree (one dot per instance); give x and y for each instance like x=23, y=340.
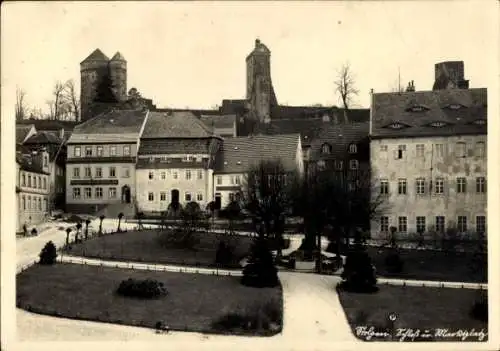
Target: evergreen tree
x=104, y=91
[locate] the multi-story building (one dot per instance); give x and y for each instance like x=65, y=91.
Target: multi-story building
x=100, y=166
x=175, y=162
x=32, y=187
x=238, y=155
x=428, y=158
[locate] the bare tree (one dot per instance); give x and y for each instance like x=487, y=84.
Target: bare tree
x=56, y=104
x=21, y=108
x=71, y=99
x=345, y=86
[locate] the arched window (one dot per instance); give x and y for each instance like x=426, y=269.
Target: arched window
x=353, y=149
x=326, y=148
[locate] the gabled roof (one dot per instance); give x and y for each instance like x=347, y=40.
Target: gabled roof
x=112, y=126
x=96, y=55
x=47, y=124
x=44, y=137
x=389, y=108
x=219, y=121
x=22, y=131
x=24, y=159
x=175, y=125
x=339, y=137
x=118, y=57
x=238, y=155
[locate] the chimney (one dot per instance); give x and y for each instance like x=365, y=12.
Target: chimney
x=411, y=86
x=257, y=42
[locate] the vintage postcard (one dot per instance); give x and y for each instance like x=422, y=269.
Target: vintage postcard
x=292, y=175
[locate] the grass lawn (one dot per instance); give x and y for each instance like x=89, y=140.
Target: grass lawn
x=432, y=265
x=193, y=301
x=416, y=308
x=145, y=246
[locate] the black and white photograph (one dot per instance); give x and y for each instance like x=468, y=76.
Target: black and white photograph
x=282, y=175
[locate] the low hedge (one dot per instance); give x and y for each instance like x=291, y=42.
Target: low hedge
x=144, y=289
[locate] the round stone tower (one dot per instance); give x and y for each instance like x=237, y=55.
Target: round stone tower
x=118, y=73
x=92, y=69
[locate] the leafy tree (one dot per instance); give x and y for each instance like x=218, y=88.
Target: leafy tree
x=191, y=216
x=48, y=254
x=101, y=218
x=232, y=213
x=87, y=222
x=359, y=273
x=120, y=216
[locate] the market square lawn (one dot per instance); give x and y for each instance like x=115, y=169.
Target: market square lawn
x=146, y=246
x=417, y=308
x=86, y=292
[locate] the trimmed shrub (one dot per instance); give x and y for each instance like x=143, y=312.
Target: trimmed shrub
x=224, y=254
x=48, y=255
x=260, y=272
x=479, y=309
x=393, y=262
x=143, y=289
x=359, y=273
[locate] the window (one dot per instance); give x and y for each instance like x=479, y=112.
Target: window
x=112, y=172
x=353, y=149
x=39, y=204
x=384, y=224
x=440, y=224
x=88, y=151
x=126, y=150
x=163, y=196
x=420, y=150
x=98, y=193
x=112, y=193
x=402, y=224
x=88, y=193
x=462, y=224
x=400, y=152
x=219, y=180
x=125, y=172
x=384, y=187
x=461, y=185
x=151, y=175
x=34, y=181
x=98, y=172
x=460, y=149
x=481, y=224
x=383, y=148
x=88, y=172
x=45, y=183
x=326, y=149
x=76, y=172
x=24, y=179
x=199, y=197
x=231, y=197
x=45, y=161
x=187, y=197
x=29, y=202
x=351, y=186
x=402, y=186
x=353, y=164
x=24, y=202
x=175, y=175
x=338, y=165
x=76, y=193
x=439, y=150
x=45, y=208
x=77, y=151
x=188, y=175
x=29, y=180
x=480, y=149
x=151, y=197
x=439, y=189
x=480, y=185
x=420, y=224
x=200, y=174
x=112, y=151
x=237, y=180
x=420, y=186
x=163, y=175
x=99, y=151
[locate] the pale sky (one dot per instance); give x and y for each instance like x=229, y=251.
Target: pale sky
x=193, y=54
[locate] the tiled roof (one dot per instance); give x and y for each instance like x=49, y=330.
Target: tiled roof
x=167, y=146
x=175, y=125
x=219, y=121
x=238, y=155
x=306, y=112
x=47, y=124
x=44, y=137
x=307, y=128
x=197, y=113
x=96, y=55
x=391, y=108
x=339, y=137
x=110, y=126
x=22, y=131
